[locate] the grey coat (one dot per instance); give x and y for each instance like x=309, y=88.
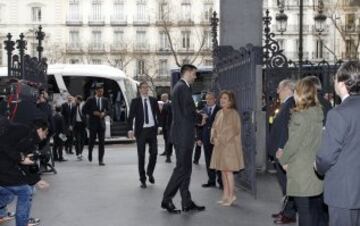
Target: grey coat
x=339, y=155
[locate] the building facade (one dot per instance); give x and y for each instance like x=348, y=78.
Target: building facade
x=140, y=37
x=339, y=40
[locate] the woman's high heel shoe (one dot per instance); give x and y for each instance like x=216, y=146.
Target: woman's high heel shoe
x=223, y=200
x=229, y=202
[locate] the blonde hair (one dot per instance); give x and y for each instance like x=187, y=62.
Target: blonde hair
x=305, y=95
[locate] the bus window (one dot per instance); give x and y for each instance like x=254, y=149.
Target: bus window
x=53, y=87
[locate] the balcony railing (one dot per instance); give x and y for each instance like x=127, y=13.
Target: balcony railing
x=73, y=48
x=350, y=28
x=96, y=47
x=350, y=55
x=326, y=29
x=141, y=21
x=74, y=20
x=324, y=56
x=118, y=20
x=96, y=21
x=163, y=49
x=187, y=49
x=186, y=21
x=118, y=48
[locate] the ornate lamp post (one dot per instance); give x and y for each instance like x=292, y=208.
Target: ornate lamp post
x=320, y=19
x=281, y=19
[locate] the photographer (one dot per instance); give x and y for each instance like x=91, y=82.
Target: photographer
x=18, y=172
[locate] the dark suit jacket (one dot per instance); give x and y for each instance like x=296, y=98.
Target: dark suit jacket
x=182, y=132
x=90, y=107
x=167, y=116
x=339, y=155
x=280, y=129
x=137, y=113
x=59, y=124
x=325, y=105
x=206, y=129
x=69, y=115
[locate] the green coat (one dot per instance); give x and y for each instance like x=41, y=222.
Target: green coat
x=305, y=130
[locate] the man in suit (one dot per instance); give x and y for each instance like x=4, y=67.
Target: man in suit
x=162, y=120
x=145, y=110
x=182, y=135
x=96, y=108
x=210, y=110
x=68, y=112
x=79, y=128
x=277, y=140
x=59, y=124
x=339, y=155
x=167, y=113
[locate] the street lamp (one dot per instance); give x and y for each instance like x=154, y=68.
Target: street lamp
x=281, y=19
x=320, y=18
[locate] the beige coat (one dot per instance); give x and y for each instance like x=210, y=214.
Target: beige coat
x=226, y=136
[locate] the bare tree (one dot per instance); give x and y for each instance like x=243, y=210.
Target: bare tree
x=55, y=53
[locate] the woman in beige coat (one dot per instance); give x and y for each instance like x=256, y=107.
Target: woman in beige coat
x=227, y=155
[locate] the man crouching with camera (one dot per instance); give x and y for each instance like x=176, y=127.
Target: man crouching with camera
x=18, y=171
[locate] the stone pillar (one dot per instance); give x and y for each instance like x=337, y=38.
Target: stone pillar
x=241, y=22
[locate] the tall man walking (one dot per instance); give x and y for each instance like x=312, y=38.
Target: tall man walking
x=68, y=112
x=97, y=108
x=339, y=155
x=182, y=135
x=145, y=110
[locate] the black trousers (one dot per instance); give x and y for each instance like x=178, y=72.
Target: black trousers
x=69, y=141
x=100, y=133
x=311, y=211
x=344, y=217
x=197, y=153
x=180, y=178
x=80, y=136
x=147, y=136
x=208, y=149
x=57, y=147
x=168, y=144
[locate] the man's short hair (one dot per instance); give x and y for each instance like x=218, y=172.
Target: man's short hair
x=315, y=80
x=99, y=86
x=187, y=67
x=349, y=73
x=211, y=93
x=40, y=124
x=79, y=97
x=288, y=83
x=143, y=83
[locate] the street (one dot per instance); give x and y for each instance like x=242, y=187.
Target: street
x=85, y=194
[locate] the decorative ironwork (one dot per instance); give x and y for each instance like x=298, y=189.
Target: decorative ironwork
x=40, y=35
x=9, y=47
x=273, y=55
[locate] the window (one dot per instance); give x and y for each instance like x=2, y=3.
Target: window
x=1, y=54
x=281, y=43
x=96, y=39
x=208, y=40
x=53, y=86
x=185, y=39
x=207, y=11
x=140, y=67
x=140, y=39
x=1, y=14
x=118, y=38
x=119, y=10
x=74, y=61
x=186, y=11
x=96, y=10
x=141, y=11
x=163, y=67
x=350, y=48
x=33, y=48
x=164, y=41
x=74, y=10
x=163, y=11
x=96, y=61
x=319, y=49
x=74, y=39
x=208, y=62
x=36, y=14
x=350, y=22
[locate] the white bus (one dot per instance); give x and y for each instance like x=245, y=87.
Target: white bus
x=80, y=79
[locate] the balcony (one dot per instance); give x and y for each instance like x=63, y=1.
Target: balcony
x=161, y=49
x=74, y=20
x=118, y=20
x=96, y=47
x=326, y=29
x=141, y=20
x=350, y=55
x=141, y=47
x=350, y=28
x=186, y=22
x=186, y=50
x=96, y=20
x=118, y=48
x=74, y=48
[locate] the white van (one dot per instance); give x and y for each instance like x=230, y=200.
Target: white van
x=80, y=79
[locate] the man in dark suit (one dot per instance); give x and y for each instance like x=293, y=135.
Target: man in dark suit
x=59, y=135
x=145, y=110
x=182, y=135
x=68, y=112
x=162, y=120
x=79, y=128
x=277, y=140
x=96, y=108
x=167, y=112
x=210, y=110
x=339, y=155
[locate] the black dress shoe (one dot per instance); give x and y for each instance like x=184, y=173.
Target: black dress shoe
x=143, y=185
x=196, y=162
x=168, y=160
x=163, y=154
x=277, y=215
x=208, y=185
x=170, y=207
x=101, y=164
x=193, y=206
x=151, y=180
x=90, y=157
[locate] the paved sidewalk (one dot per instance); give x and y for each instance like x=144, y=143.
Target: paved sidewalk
x=84, y=194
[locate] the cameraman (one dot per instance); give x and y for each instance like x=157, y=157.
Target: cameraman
x=18, y=172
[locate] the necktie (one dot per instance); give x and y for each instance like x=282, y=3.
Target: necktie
x=210, y=110
x=146, y=111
